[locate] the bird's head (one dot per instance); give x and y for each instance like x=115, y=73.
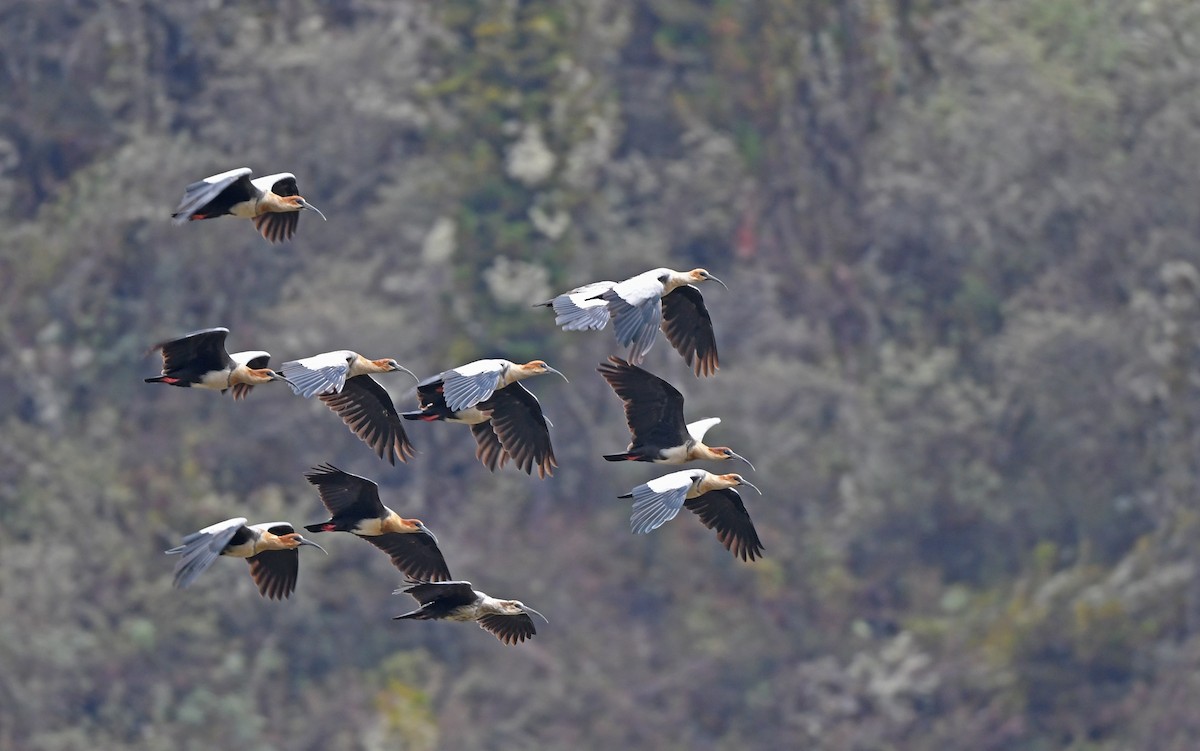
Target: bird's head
x=416, y=525
x=516, y=607
x=297, y=203
x=538, y=367
x=722, y=453
x=293, y=540
x=702, y=275
x=389, y=365
x=733, y=480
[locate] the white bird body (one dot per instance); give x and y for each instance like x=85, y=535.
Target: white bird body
x=342, y=380
x=467, y=385
x=711, y=497
x=272, y=201
x=269, y=547
x=508, y=620
x=641, y=305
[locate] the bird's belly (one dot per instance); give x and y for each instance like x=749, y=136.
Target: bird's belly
x=462, y=614
x=469, y=416
x=217, y=380
x=369, y=528
x=673, y=455
x=245, y=209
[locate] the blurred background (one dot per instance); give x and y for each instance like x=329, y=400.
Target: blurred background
x=959, y=343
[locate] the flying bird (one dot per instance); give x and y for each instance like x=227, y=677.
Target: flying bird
x=639, y=307
x=342, y=380
x=505, y=418
x=273, y=202
x=199, y=360
x=271, y=549
x=654, y=413
x=354, y=506
x=711, y=497
x=508, y=620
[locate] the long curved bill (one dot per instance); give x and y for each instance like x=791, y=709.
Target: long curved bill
x=739, y=456
x=406, y=370
x=712, y=278
x=752, y=485
x=421, y=526
x=309, y=206
x=304, y=541
x=552, y=370
x=277, y=376
x=528, y=609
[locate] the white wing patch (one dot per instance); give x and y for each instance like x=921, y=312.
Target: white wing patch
x=698, y=428
x=320, y=374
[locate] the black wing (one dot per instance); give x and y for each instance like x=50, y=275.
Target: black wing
x=488, y=449
x=653, y=407
x=521, y=428
x=449, y=594
x=416, y=554
x=724, y=511
x=275, y=571
x=208, y=198
x=198, y=352
x=688, y=327
x=346, y=494
x=510, y=629
x=275, y=227
x=368, y=411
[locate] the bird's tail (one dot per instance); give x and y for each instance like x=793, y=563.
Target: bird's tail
x=328, y=526
x=626, y=495
x=425, y=415
x=416, y=615
x=628, y=456
x=163, y=379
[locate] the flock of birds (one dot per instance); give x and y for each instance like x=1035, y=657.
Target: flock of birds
x=505, y=418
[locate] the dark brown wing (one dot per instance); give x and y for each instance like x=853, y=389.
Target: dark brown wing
x=510, y=629
x=521, y=429
x=653, y=407
x=416, y=554
x=275, y=572
x=368, y=411
x=198, y=352
x=346, y=494
x=450, y=594
x=724, y=511
x=689, y=328
x=277, y=227
x=488, y=449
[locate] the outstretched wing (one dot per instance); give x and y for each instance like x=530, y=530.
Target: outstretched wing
x=213, y=196
x=344, y=493
x=275, y=572
x=319, y=374
x=416, y=554
x=653, y=407
x=200, y=549
x=657, y=502
x=470, y=384
x=201, y=351
x=689, y=329
x=521, y=428
x=724, y=511
x=368, y=411
x=488, y=449
x=578, y=311
x=510, y=629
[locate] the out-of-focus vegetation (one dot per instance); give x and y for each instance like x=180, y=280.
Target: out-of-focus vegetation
x=960, y=345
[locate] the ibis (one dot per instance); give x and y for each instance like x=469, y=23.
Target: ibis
x=508, y=620
x=505, y=417
x=654, y=413
x=271, y=549
x=342, y=380
x=354, y=506
x=639, y=307
x=711, y=497
x=273, y=201
x=199, y=360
